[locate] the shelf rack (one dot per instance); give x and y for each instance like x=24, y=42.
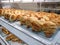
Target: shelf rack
x=27, y=36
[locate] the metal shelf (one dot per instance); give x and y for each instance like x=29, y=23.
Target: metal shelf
x=25, y=35
x=9, y=41
x=5, y=42
x=53, y=9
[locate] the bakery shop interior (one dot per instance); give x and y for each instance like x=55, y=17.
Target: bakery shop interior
x=29, y=22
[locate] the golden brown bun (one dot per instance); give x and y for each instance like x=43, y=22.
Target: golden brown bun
x=18, y=17
x=34, y=23
x=0, y=12
x=7, y=16
x=13, y=38
x=12, y=17
x=9, y=37
x=49, y=32
x=5, y=31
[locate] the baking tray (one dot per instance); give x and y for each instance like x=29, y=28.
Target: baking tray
x=40, y=34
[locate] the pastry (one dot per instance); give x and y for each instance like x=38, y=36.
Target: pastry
x=13, y=17
x=34, y=23
x=0, y=12
x=49, y=32
x=5, y=31
x=13, y=38
x=9, y=37
x=6, y=16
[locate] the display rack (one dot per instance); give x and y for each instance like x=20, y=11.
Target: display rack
x=26, y=35
x=22, y=33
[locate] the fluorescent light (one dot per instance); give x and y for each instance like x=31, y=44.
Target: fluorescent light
x=38, y=0
x=27, y=0
x=4, y=1
x=17, y=0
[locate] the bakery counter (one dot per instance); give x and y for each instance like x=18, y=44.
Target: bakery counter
x=27, y=35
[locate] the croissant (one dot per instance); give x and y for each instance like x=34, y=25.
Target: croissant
x=0, y=12
x=9, y=37
x=57, y=21
x=6, y=16
x=20, y=14
x=23, y=20
x=34, y=23
x=4, y=30
x=49, y=28
x=7, y=13
x=52, y=16
x=13, y=38
x=49, y=32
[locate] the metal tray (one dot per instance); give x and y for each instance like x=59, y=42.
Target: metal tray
x=36, y=35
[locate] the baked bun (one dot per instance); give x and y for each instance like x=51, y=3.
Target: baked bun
x=5, y=31
x=49, y=32
x=0, y=12
x=13, y=38
x=13, y=17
